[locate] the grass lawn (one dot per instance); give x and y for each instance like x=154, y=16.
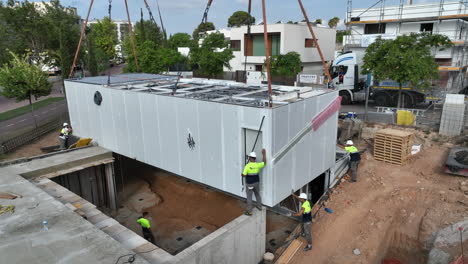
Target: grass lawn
x=27, y=108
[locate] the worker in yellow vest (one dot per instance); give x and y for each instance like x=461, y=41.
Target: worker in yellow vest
x=355, y=158
x=306, y=212
x=64, y=134
x=252, y=179
x=146, y=227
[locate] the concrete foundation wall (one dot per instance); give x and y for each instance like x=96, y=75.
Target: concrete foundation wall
x=240, y=241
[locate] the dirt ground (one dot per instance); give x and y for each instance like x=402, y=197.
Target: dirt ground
x=391, y=212
x=33, y=148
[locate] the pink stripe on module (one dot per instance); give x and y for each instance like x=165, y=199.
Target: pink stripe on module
x=325, y=114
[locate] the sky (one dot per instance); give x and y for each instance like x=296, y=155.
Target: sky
x=185, y=15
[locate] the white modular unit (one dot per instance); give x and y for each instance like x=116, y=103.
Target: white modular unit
x=204, y=130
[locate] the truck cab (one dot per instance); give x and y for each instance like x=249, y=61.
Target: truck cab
x=346, y=78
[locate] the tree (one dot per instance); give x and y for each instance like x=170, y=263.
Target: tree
x=203, y=27
x=22, y=80
x=105, y=37
x=407, y=59
x=318, y=21
x=153, y=58
x=64, y=33
x=212, y=55
x=147, y=30
x=179, y=40
x=288, y=64
x=340, y=35
x=240, y=18
x=332, y=23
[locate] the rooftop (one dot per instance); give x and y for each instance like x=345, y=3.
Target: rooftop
x=220, y=91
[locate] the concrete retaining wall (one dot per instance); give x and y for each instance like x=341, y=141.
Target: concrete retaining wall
x=240, y=241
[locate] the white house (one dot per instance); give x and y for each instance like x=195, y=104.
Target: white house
x=283, y=38
x=437, y=17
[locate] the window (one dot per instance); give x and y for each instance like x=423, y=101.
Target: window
x=374, y=28
x=427, y=27
x=236, y=45
x=310, y=43
x=258, y=67
x=256, y=45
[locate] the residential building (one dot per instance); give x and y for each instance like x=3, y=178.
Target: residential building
x=436, y=17
x=282, y=38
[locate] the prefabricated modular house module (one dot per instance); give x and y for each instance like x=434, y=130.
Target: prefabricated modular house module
x=203, y=129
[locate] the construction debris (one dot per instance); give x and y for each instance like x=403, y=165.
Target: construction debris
x=7, y=208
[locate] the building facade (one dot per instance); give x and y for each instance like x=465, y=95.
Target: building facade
x=438, y=17
x=282, y=38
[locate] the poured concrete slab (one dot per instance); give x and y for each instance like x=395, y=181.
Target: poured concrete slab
x=70, y=238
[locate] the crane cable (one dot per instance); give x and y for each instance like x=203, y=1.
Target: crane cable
x=110, y=19
x=81, y=40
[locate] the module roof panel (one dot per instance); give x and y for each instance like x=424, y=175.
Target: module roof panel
x=221, y=91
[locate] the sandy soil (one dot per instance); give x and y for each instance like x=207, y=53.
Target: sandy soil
x=390, y=212
x=34, y=148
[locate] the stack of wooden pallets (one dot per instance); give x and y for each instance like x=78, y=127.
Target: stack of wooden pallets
x=392, y=145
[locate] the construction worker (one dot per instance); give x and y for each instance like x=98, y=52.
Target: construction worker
x=252, y=178
x=64, y=133
x=306, y=212
x=355, y=156
x=146, y=227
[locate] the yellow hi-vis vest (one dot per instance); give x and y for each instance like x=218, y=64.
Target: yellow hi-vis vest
x=144, y=222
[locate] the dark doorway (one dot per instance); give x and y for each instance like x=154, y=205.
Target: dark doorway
x=258, y=67
x=317, y=188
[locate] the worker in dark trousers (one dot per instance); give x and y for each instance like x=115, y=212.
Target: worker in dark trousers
x=306, y=212
x=146, y=227
x=252, y=179
x=355, y=158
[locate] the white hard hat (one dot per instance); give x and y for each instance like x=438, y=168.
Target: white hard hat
x=65, y=124
x=253, y=155
x=349, y=142
x=303, y=196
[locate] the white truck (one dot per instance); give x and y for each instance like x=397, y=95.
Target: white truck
x=347, y=78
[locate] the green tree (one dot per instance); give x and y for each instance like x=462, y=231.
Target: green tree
x=22, y=80
x=332, y=23
x=240, y=18
x=288, y=64
x=318, y=21
x=25, y=28
x=179, y=40
x=146, y=30
x=153, y=58
x=212, y=55
x=340, y=35
x=64, y=33
x=105, y=36
x=407, y=59
x=203, y=27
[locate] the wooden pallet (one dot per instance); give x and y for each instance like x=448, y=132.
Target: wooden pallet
x=392, y=146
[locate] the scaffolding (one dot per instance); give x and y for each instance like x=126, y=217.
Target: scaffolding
x=405, y=12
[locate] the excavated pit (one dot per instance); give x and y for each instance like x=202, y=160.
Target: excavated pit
x=181, y=211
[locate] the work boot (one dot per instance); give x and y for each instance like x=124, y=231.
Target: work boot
x=248, y=213
x=308, y=247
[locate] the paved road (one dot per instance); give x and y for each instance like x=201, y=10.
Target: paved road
x=23, y=122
